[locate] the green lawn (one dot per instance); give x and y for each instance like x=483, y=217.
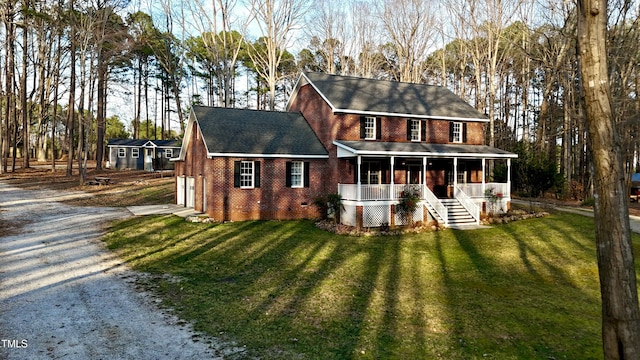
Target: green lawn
x=526, y=290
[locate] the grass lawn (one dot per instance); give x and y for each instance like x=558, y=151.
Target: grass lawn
x=525, y=290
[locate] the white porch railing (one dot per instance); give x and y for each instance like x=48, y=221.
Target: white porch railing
x=392, y=192
x=476, y=190
x=467, y=203
x=374, y=192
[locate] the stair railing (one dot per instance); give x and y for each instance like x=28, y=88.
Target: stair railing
x=436, y=204
x=467, y=203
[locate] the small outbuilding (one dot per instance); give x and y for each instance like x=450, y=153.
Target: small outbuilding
x=136, y=154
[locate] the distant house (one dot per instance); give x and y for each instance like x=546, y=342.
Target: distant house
x=150, y=155
x=368, y=140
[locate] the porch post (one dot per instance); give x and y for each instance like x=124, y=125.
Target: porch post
x=392, y=182
x=424, y=177
x=358, y=188
x=509, y=176
x=455, y=173
x=484, y=184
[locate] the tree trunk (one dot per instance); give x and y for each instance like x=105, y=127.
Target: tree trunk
x=620, y=313
x=72, y=91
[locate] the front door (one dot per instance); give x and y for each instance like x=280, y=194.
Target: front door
x=148, y=159
x=414, y=174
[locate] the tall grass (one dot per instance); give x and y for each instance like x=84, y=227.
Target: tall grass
x=525, y=290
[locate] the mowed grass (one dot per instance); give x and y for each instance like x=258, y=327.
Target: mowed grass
x=525, y=290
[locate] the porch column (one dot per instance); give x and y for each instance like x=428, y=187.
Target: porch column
x=509, y=176
x=359, y=187
x=424, y=177
x=392, y=182
x=455, y=173
x=484, y=166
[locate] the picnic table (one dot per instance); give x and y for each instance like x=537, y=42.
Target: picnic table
x=100, y=180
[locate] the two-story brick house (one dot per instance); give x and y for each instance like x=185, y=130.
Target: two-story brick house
x=371, y=139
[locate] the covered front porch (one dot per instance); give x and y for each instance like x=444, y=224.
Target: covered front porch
x=450, y=179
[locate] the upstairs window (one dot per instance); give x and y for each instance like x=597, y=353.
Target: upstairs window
x=457, y=132
x=370, y=128
x=416, y=130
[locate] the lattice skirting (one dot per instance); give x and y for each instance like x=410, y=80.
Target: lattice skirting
x=376, y=215
x=418, y=215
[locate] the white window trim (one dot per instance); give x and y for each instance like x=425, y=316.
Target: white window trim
x=249, y=176
x=373, y=120
x=168, y=153
x=135, y=153
x=300, y=167
x=457, y=126
x=122, y=153
x=419, y=135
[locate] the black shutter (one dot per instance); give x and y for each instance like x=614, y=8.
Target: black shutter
x=378, y=128
x=451, y=132
x=409, y=121
x=305, y=172
x=256, y=174
x=236, y=174
x=423, y=130
x=288, y=181
x=362, y=127
x=464, y=132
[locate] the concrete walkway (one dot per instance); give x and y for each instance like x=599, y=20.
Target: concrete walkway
x=174, y=209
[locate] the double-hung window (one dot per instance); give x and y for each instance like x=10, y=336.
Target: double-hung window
x=135, y=153
x=168, y=153
x=122, y=152
x=297, y=170
x=246, y=174
x=456, y=132
x=369, y=128
x=297, y=174
x=415, y=130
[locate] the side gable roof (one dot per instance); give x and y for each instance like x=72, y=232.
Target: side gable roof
x=355, y=95
x=241, y=132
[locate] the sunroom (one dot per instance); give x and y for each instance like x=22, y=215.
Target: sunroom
x=450, y=179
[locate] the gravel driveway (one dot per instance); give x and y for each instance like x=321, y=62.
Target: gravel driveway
x=62, y=295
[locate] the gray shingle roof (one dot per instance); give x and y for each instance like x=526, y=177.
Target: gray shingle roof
x=423, y=149
x=382, y=97
x=253, y=132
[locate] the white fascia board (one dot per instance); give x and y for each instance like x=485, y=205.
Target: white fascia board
x=400, y=115
x=269, y=156
x=346, y=151
x=187, y=137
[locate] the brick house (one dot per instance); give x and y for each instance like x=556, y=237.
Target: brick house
x=368, y=140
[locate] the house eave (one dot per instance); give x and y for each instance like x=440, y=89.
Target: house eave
x=402, y=115
x=345, y=151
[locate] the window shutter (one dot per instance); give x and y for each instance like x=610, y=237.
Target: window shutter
x=305, y=172
x=378, y=128
x=423, y=130
x=409, y=129
x=464, y=132
x=288, y=181
x=362, y=127
x=450, y=132
x=236, y=174
x=256, y=174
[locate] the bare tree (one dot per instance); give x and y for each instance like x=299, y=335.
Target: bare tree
x=618, y=286
x=277, y=20
x=410, y=25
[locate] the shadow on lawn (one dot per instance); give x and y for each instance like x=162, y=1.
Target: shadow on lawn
x=287, y=288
